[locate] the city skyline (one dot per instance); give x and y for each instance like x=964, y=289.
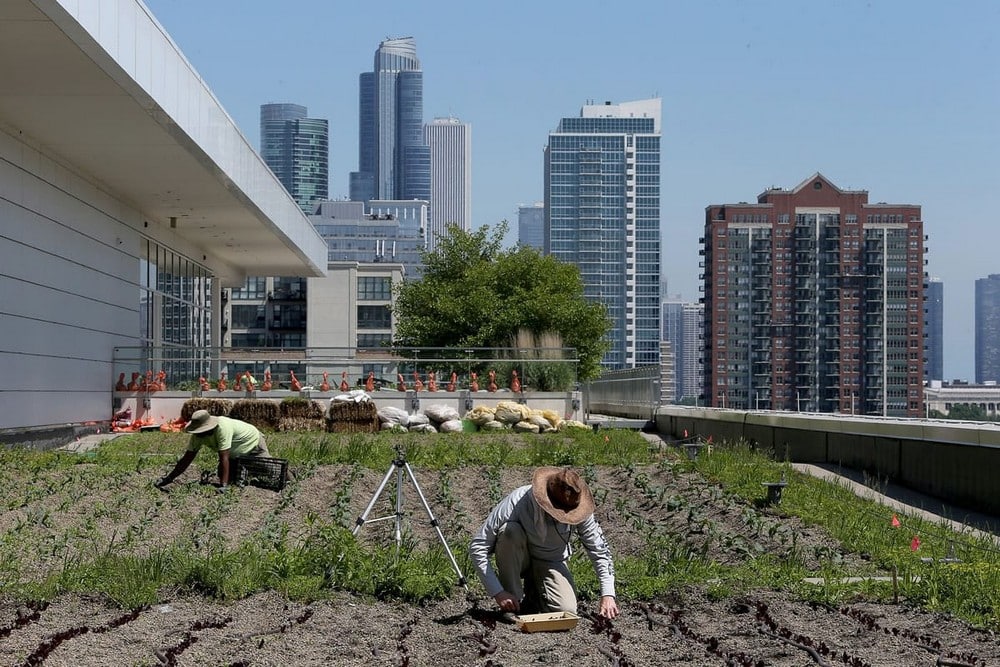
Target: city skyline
x=754, y=105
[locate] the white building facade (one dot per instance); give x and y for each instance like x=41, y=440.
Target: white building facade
x=450, y=141
x=128, y=199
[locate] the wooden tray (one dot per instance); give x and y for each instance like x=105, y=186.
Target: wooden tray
x=551, y=622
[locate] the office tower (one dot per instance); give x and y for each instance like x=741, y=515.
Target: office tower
x=297, y=150
x=934, y=328
x=988, y=329
x=682, y=325
x=394, y=163
x=602, y=213
x=531, y=226
x=375, y=232
x=450, y=143
x=814, y=302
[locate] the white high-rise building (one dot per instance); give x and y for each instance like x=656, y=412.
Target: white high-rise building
x=450, y=141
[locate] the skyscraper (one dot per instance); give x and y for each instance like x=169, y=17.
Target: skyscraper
x=814, y=302
x=934, y=328
x=297, y=150
x=531, y=226
x=394, y=162
x=450, y=143
x=988, y=329
x=602, y=213
x=682, y=327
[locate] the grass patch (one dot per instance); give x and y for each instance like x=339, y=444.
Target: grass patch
x=53, y=520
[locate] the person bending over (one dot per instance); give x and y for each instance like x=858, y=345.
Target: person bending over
x=528, y=534
x=230, y=438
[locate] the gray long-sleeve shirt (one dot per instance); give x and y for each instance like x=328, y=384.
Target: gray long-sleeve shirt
x=547, y=539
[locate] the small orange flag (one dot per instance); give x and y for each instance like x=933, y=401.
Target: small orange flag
x=895, y=521
x=914, y=543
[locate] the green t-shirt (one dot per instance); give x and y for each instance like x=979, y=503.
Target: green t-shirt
x=237, y=436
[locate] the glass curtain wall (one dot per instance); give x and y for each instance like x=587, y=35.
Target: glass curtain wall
x=175, y=297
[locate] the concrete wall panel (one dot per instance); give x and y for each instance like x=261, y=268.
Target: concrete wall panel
x=69, y=291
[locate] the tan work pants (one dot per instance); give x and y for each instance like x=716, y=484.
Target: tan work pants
x=549, y=583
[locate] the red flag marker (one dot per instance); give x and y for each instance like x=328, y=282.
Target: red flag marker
x=914, y=543
x=685, y=433
x=709, y=439
x=895, y=521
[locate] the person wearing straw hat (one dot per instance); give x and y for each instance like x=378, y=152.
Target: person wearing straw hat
x=230, y=438
x=528, y=535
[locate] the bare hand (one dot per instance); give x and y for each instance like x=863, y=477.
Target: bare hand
x=609, y=607
x=507, y=602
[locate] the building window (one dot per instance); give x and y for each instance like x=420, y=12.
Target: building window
x=254, y=288
x=375, y=340
x=374, y=288
x=248, y=317
x=374, y=317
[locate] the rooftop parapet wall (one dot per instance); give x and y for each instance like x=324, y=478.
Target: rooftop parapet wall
x=953, y=461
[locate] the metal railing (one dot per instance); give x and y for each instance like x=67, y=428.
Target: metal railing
x=537, y=369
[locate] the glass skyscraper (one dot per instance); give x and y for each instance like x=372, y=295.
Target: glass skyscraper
x=988, y=329
x=682, y=327
x=934, y=328
x=531, y=225
x=394, y=162
x=297, y=150
x=602, y=213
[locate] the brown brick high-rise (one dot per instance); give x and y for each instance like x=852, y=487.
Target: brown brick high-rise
x=814, y=302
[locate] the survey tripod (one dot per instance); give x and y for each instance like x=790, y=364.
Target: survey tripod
x=399, y=466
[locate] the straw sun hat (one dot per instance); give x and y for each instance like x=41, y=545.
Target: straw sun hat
x=563, y=494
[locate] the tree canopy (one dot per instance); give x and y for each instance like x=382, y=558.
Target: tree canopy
x=474, y=293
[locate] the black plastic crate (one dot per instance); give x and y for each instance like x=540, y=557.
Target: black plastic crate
x=259, y=471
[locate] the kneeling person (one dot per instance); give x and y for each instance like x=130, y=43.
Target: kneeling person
x=528, y=534
x=230, y=438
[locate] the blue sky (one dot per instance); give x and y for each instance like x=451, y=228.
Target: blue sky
x=901, y=98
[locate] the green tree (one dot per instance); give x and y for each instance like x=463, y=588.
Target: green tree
x=968, y=412
x=474, y=293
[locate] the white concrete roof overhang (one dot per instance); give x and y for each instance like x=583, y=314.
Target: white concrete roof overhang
x=112, y=96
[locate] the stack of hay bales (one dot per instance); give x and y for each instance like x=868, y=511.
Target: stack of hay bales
x=300, y=414
x=350, y=416
x=219, y=407
x=262, y=414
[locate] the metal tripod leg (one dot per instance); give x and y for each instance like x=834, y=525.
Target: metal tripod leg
x=434, y=522
x=361, y=520
x=399, y=465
